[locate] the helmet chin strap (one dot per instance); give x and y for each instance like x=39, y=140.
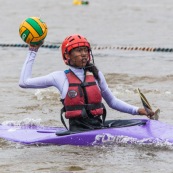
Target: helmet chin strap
x=92, y=57
x=91, y=64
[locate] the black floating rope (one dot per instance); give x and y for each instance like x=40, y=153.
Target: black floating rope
x=149, y=49
x=25, y=45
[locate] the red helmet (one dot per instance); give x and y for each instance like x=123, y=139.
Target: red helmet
x=72, y=42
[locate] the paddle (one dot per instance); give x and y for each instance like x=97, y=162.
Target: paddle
x=147, y=106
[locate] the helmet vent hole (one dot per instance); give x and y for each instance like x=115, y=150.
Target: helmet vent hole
x=71, y=40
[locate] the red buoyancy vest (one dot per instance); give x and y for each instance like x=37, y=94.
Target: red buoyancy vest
x=82, y=97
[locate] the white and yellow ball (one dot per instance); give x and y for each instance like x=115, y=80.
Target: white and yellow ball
x=33, y=30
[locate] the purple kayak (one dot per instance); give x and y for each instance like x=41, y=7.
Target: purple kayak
x=149, y=132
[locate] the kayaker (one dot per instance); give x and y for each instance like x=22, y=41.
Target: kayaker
x=81, y=87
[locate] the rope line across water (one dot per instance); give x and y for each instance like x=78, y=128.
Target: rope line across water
x=50, y=46
x=149, y=49
x=25, y=45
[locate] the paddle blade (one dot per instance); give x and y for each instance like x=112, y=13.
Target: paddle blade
x=147, y=106
x=144, y=100
x=156, y=114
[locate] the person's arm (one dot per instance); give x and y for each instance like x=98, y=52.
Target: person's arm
x=116, y=103
x=26, y=80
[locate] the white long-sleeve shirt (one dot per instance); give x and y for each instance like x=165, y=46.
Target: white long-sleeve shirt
x=59, y=80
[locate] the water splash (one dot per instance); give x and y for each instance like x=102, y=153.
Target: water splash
x=25, y=122
x=108, y=139
x=46, y=94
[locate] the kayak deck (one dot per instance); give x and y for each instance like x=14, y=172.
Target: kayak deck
x=153, y=130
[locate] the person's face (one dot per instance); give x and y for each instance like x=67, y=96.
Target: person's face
x=79, y=56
